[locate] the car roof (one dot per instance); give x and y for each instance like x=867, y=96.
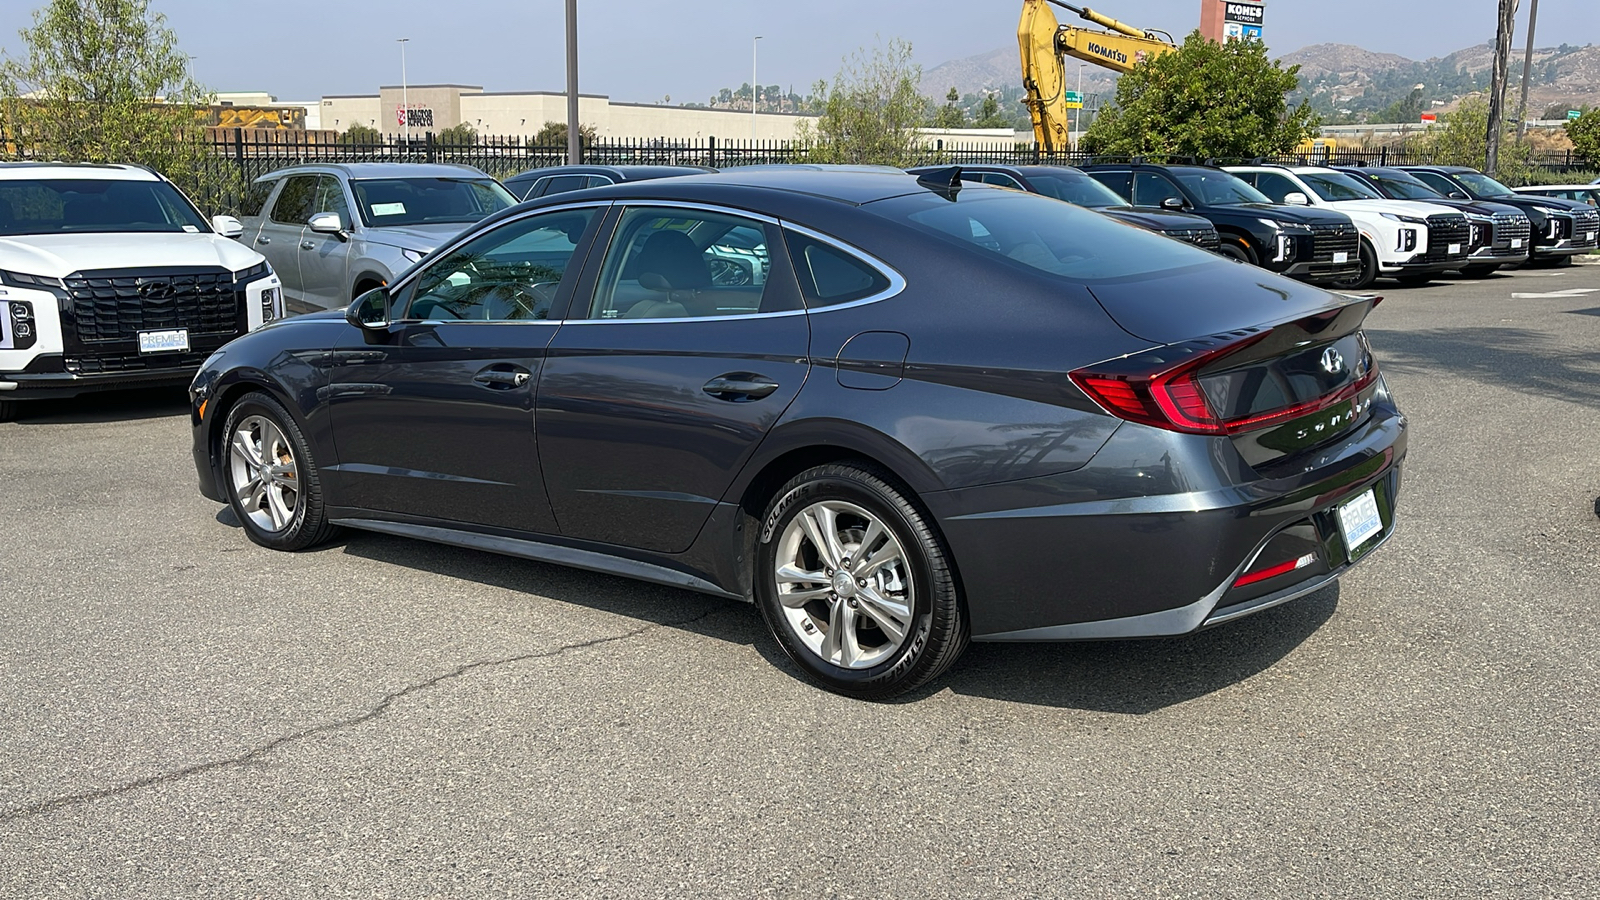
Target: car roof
x=1023, y=170
x=380, y=170
x=15, y=171
x=1448, y=170
x=763, y=189
x=1559, y=187
x=626, y=173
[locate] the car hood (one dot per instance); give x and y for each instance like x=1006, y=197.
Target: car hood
x=423, y=238
x=1417, y=208
x=1478, y=207
x=1156, y=219
x=1304, y=215
x=59, y=255
x=1209, y=298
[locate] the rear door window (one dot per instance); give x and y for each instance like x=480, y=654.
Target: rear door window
x=293, y=206
x=668, y=263
x=255, y=197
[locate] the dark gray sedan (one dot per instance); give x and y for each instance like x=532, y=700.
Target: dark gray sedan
x=938, y=413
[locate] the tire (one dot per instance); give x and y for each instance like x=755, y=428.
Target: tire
x=1483, y=271
x=1233, y=249
x=279, y=503
x=8, y=410
x=899, y=624
x=1366, y=275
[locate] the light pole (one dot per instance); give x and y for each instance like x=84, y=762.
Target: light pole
x=574, y=129
x=405, y=93
x=754, y=91
x=1077, y=114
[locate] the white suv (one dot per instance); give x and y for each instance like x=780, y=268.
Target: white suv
x=1404, y=239
x=110, y=278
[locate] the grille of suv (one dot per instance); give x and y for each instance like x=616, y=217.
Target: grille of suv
x=1330, y=239
x=1200, y=237
x=115, y=305
x=1444, y=230
x=1585, y=224
x=1508, y=228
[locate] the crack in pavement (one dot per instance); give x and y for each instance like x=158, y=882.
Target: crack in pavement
x=382, y=706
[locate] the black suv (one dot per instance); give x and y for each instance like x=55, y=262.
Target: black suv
x=1562, y=229
x=1315, y=245
x=1073, y=186
x=1501, y=234
x=560, y=179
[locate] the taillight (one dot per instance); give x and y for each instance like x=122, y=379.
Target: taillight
x=1162, y=388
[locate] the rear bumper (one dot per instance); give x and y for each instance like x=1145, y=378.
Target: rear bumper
x=1060, y=558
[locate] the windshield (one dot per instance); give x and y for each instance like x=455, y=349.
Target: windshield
x=1219, y=188
x=386, y=202
x=76, y=205
x=1404, y=187
x=1079, y=189
x=1336, y=186
x=1029, y=230
x=1484, y=185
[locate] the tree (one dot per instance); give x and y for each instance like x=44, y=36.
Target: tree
x=360, y=134
x=989, y=113
x=1584, y=132
x=1461, y=139
x=554, y=134
x=1205, y=100
x=466, y=134
x=950, y=115
x=104, y=81
x=870, y=112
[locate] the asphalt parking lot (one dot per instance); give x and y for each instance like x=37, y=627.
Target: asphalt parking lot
x=186, y=714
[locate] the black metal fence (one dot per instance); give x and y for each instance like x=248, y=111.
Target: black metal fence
x=240, y=156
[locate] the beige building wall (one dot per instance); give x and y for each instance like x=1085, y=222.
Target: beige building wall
x=523, y=114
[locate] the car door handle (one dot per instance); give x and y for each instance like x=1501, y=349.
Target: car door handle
x=740, y=386
x=307, y=245
x=501, y=379
x=263, y=240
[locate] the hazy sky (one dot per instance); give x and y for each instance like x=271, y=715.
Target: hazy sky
x=644, y=50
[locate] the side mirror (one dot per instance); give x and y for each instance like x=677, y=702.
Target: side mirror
x=1457, y=195
x=227, y=226
x=1295, y=198
x=1172, y=203
x=329, y=223
x=370, y=311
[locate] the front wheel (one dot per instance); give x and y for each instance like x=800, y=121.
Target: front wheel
x=1365, y=275
x=855, y=584
x=1236, y=250
x=272, y=481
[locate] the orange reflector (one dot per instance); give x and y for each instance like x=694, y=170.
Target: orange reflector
x=203, y=408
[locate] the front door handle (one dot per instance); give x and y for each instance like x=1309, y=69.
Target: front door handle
x=740, y=387
x=501, y=379
x=307, y=245
x=263, y=240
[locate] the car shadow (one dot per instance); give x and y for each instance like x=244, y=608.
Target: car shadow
x=1516, y=358
x=105, y=406
x=1133, y=677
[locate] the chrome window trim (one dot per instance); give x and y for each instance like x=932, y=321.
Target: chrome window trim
x=897, y=283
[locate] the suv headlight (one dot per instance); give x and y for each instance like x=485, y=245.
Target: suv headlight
x=259, y=270
x=1410, y=220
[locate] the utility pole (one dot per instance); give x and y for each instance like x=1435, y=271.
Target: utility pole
x=1497, y=86
x=755, y=92
x=1527, y=73
x=574, y=136
x=405, y=94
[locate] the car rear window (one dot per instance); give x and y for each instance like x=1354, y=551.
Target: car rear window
x=1042, y=234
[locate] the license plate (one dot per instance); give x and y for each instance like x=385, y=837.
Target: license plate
x=1590, y=238
x=1341, y=256
x=1516, y=243
x=1454, y=249
x=1359, y=520
x=175, y=341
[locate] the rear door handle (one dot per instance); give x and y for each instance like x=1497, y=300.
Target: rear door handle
x=307, y=245
x=740, y=386
x=501, y=379
x=263, y=240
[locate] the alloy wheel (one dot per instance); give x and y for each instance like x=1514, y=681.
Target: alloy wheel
x=263, y=473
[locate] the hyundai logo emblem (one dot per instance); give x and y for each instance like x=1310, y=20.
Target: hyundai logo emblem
x=1332, y=361
x=154, y=290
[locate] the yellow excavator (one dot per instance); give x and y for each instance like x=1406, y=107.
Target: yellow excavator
x=1044, y=77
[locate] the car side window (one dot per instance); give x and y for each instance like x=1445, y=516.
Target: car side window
x=560, y=184
x=1001, y=179
x=1152, y=188
x=330, y=198
x=293, y=206
x=1437, y=182
x=510, y=274
x=1121, y=183
x=255, y=197
x=829, y=276
x=1275, y=186
x=673, y=264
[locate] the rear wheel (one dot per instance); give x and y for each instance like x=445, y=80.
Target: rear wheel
x=855, y=584
x=272, y=481
x=1364, y=276
x=1479, y=271
x=1236, y=249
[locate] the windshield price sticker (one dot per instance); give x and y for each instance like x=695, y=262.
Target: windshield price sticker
x=175, y=341
x=1359, y=520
